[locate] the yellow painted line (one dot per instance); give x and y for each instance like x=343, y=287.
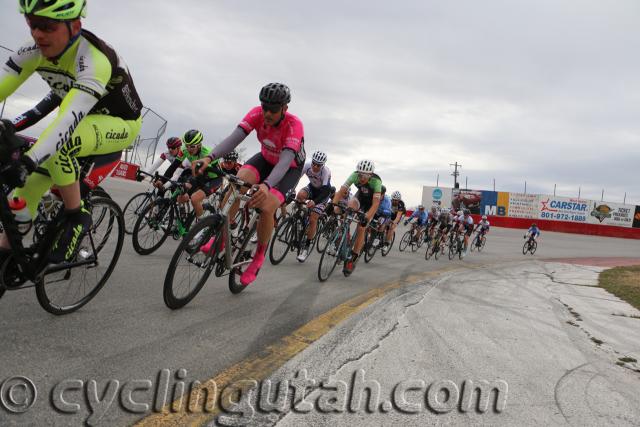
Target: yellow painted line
x=260, y=366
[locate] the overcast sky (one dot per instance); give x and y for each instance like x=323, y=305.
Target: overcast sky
x=544, y=91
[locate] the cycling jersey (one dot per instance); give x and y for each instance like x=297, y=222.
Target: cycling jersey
x=367, y=190
x=483, y=224
x=317, y=180
x=422, y=217
x=384, y=209
x=164, y=157
x=288, y=134
x=213, y=170
x=232, y=170
x=534, y=231
x=89, y=78
x=398, y=207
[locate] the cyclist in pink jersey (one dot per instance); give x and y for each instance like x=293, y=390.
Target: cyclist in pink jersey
x=275, y=170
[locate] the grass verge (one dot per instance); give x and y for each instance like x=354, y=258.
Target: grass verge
x=623, y=282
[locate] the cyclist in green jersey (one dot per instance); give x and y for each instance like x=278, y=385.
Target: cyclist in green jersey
x=99, y=109
x=367, y=199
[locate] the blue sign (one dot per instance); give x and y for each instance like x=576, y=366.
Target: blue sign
x=437, y=194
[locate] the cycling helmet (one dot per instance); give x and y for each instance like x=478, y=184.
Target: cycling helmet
x=174, y=142
x=383, y=189
x=484, y=217
x=466, y=211
x=319, y=157
x=231, y=157
x=460, y=212
x=59, y=10
x=396, y=195
x=534, y=225
x=420, y=207
x=445, y=211
x=193, y=137
x=365, y=166
x=275, y=93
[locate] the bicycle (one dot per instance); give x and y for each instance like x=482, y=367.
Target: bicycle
x=457, y=245
x=376, y=240
x=291, y=233
x=479, y=241
x=340, y=243
x=137, y=204
x=156, y=221
x=529, y=246
x=227, y=254
x=327, y=225
x=411, y=238
x=435, y=246
x=60, y=288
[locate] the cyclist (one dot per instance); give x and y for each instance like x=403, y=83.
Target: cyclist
x=275, y=170
x=432, y=222
x=483, y=227
x=467, y=228
x=175, y=156
x=99, y=109
x=421, y=221
x=230, y=164
x=399, y=211
x=384, y=214
x=315, y=194
x=366, y=199
x=445, y=220
x=533, y=232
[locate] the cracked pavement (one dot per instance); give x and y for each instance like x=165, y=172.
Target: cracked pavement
x=531, y=324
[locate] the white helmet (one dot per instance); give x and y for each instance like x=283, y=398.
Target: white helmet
x=396, y=195
x=460, y=212
x=319, y=157
x=445, y=210
x=365, y=166
x=484, y=217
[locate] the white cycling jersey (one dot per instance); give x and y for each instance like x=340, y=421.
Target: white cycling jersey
x=319, y=179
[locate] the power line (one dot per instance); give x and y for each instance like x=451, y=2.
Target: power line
x=6, y=48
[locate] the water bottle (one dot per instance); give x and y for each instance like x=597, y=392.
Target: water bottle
x=18, y=207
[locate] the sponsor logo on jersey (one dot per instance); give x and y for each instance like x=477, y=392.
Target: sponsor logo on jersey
x=81, y=66
x=64, y=137
x=113, y=134
x=27, y=49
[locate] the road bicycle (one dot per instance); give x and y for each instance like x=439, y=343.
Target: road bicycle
x=435, y=246
x=338, y=248
x=60, y=288
x=210, y=245
x=479, y=241
x=413, y=238
x=376, y=239
x=529, y=246
x=456, y=245
x=138, y=203
x=291, y=234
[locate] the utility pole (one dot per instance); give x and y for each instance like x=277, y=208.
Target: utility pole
x=455, y=174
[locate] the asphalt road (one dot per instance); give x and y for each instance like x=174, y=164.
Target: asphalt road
x=126, y=333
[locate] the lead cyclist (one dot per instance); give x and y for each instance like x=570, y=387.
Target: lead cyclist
x=99, y=110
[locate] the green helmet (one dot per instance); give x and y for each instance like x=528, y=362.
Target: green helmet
x=193, y=137
x=60, y=10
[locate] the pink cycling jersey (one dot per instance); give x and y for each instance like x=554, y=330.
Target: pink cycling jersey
x=288, y=134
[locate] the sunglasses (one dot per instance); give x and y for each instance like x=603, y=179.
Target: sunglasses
x=43, y=24
x=364, y=175
x=316, y=164
x=272, y=108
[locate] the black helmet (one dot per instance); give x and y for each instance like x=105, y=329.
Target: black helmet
x=275, y=93
x=231, y=157
x=193, y=137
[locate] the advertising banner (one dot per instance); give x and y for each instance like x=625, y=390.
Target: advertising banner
x=126, y=171
x=611, y=214
x=439, y=196
x=522, y=205
x=493, y=204
x=470, y=199
x=564, y=209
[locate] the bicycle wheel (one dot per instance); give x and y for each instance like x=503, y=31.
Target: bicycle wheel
x=436, y=250
x=534, y=247
x=474, y=243
x=525, y=248
x=405, y=241
x=242, y=254
x=331, y=255
x=325, y=233
x=64, y=290
x=452, y=250
x=483, y=242
x=461, y=249
x=281, y=241
x=369, y=247
x=152, y=228
x=133, y=208
x=190, y=268
x=386, y=249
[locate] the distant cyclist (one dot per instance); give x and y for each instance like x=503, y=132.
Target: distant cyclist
x=533, y=232
x=421, y=218
x=399, y=211
x=483, y=227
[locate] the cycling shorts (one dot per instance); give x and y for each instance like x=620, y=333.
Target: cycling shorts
x=261, y=169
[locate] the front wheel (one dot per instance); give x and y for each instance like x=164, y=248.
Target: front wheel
x=280, y=243
x=152, y=228
x=387, y=248
x=405, y=241
x=190, y=268
x=133, y=208
x=331, y=255
x=64, y=290
x=525, y=248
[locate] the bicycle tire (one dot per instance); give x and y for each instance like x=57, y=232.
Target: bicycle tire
x=143, y=220
x=325, y=233
x=369, y=248
x=405, y=241
x=393, y=239
x=484, y=242
x=132, y=210
x=534, y=247
x=436, y=251
x=211, y=226
x=336, y=240
x=283, y=234
x=525, y=248
x=45, y=289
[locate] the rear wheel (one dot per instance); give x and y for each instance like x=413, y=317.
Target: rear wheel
x=152, y=228
x=331, y=255
x=133, y=209
x=190, y=268
x=534, y=246
x=371, y=246
x=387, y=248
x=325, y=232
x=64, y=288
x=242, y=254
x=280, y=243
